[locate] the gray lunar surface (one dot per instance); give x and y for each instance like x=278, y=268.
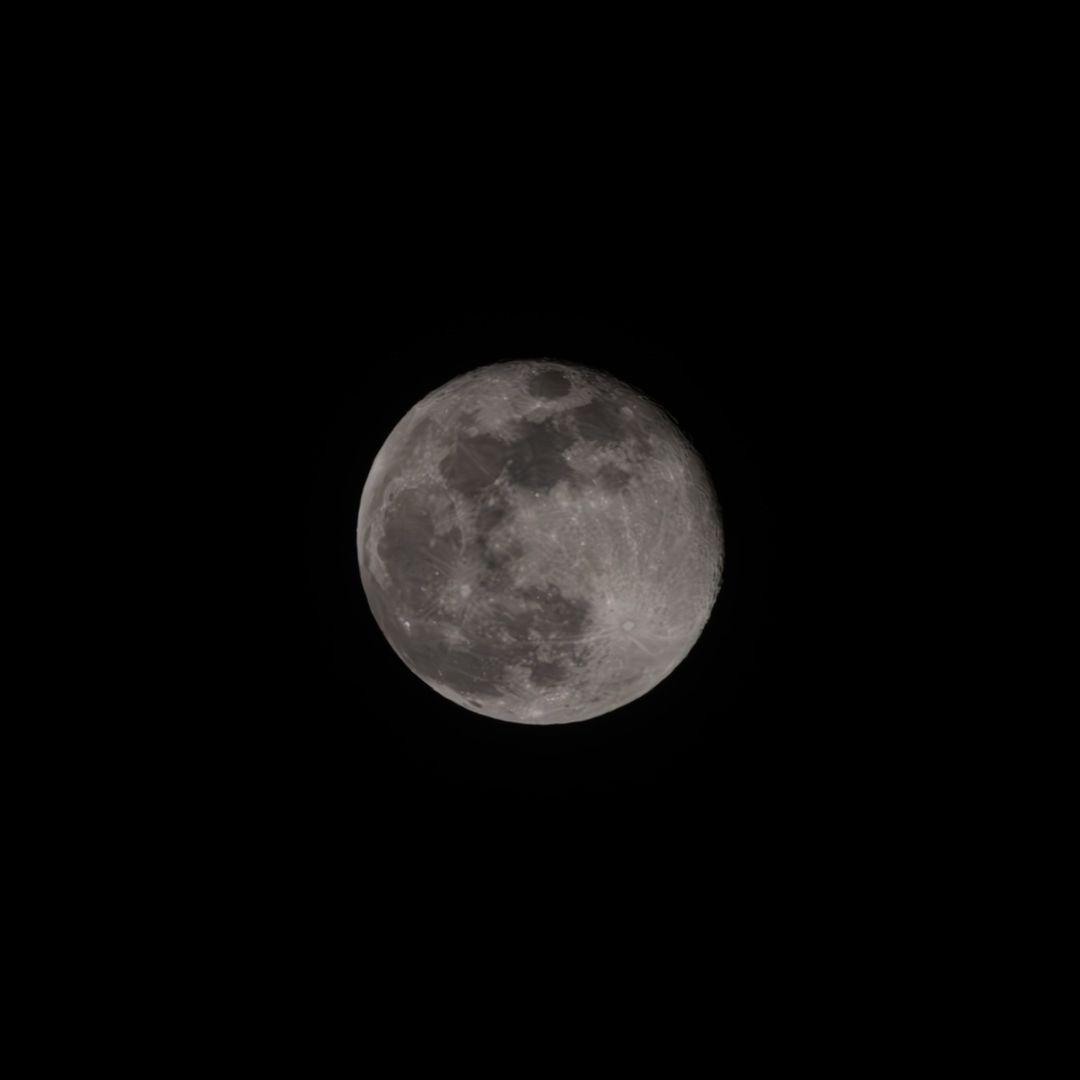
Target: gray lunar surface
x=539, y=542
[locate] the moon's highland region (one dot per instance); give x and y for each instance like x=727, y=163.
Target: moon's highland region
x=539, y=542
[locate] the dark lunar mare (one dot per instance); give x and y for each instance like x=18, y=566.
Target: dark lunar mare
x=549, y=384
x=599, y=421
x=542, y=638
x=534, y=458
x=534, y=627
x=475, y=463
x=417, y=556
x=537, y=460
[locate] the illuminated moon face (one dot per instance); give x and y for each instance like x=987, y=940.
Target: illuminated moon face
x=539, y=543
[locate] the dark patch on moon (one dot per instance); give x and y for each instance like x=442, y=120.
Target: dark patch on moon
x=478, y=667
x=414, y=552
x=537, y=460
x=549, y=384
x=548, y=614
x=612, y=478
x=600, y=421
x=547, y=673
x=494, y=547
x=474, y=463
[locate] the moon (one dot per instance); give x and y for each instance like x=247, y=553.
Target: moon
x=539, y=542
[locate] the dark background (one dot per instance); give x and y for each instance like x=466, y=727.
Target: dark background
x=749, y=299
x=313, y=249
x=740, y=334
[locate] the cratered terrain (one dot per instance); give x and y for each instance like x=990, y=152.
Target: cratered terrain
x=539, y=542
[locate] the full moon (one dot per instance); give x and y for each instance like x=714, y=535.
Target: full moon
x=539, y=542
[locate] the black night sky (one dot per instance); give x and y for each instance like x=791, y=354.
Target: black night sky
x=744, y=314
x=317, y=245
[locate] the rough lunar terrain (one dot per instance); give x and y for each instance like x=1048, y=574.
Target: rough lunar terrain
x=539, y=543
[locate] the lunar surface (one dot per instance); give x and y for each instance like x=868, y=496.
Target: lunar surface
x=539, y=542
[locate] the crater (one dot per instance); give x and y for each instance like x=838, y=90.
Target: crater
x=549, y=384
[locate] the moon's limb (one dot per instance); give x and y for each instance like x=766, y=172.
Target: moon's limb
x=539, y=543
